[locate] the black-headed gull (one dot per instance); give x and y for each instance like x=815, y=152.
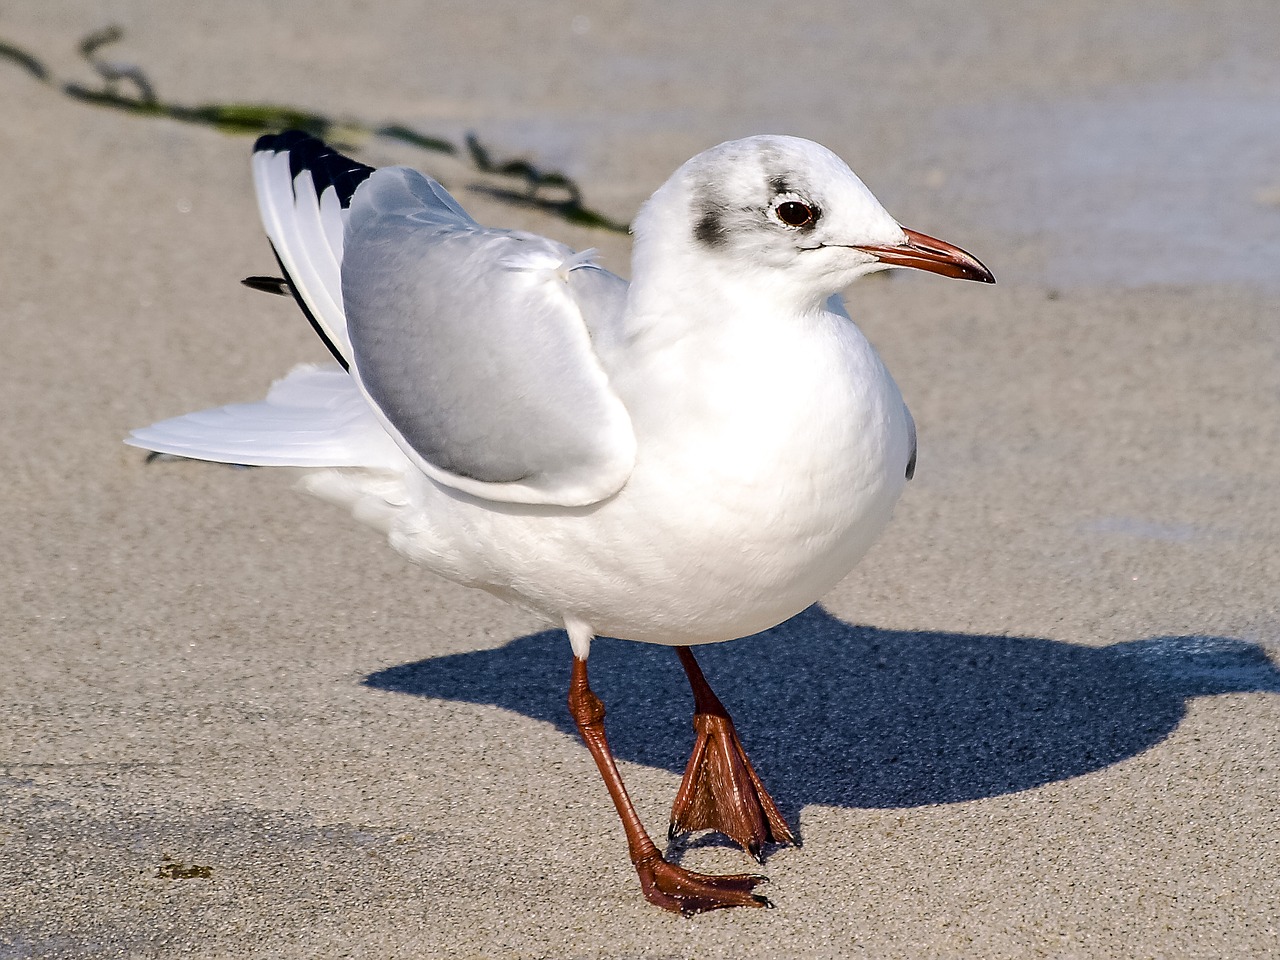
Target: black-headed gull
x=689, y=458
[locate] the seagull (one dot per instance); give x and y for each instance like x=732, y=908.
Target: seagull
x=688, y=458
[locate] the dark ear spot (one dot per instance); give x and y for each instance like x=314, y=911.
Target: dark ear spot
x=709, y=228
x=780, y=184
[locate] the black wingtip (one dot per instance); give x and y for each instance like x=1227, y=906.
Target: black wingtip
x=328, y=167
x=284, y=140
x=277, y=285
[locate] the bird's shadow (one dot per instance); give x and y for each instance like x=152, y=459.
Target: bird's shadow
x=855, y=716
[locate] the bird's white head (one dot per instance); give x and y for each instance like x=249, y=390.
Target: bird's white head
x=785, y=214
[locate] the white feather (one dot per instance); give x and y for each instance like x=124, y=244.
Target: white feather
x=314, y=417
x=322, y=280
x=335, y=221
x=302, y=234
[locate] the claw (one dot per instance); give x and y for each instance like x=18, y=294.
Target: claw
x=679, y=890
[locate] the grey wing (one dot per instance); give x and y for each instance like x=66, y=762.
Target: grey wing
x=475, y=347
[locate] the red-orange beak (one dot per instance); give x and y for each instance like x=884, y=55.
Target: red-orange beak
x=936, y=256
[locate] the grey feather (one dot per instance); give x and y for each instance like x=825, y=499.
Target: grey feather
x=476, y=347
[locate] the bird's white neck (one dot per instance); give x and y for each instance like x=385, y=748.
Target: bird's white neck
x=676, y=294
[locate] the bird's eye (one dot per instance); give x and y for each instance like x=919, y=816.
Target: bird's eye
x=795, y=214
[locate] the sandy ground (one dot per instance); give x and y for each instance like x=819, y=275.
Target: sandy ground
x=1041, y=719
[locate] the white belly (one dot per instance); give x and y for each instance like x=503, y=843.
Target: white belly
x=749, y=501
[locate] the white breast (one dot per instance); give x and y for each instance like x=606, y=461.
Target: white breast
x=766, y=467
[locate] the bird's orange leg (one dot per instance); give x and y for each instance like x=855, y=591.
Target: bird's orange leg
x=721, y=790
x=665, y=884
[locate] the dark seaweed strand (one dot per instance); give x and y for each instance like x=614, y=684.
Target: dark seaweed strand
x=267, y=118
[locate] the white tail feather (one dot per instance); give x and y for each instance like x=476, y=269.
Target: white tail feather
x=314, y=417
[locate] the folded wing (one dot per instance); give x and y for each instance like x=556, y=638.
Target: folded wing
x=304, y=190
x=470, y=350
x=475, y=347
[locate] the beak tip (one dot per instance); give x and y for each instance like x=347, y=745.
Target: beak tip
x=935, y=256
